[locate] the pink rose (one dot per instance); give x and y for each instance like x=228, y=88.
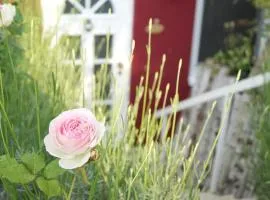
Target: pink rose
x=72, y=135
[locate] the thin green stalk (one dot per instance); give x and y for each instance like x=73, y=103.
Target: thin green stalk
x=176, y=100
x=3, y=138
x=163, y=106
x=132, y=52
x=13, y=134
x=12, y=65
x=191, y=159
x=155, y=170
x=226, y=107
x=161, y=70
x=71, y=188
x=151, y=92
x=2, y=90
x=84, y=175
x=176, y=97
x=139, y=170
x=37, y=116
x=148, y=49
x=148, y=137
x=158, y=93
x=104, y=68
x=28, y=192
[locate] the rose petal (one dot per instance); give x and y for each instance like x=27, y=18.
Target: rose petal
x=75, y=162
x=100, y=134
x=53, y=150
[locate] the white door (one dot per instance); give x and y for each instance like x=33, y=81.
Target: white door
x=94, y=23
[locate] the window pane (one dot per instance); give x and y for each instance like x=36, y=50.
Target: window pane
x=103, y=46
x=104, y=8
x=103, y=82
x=70, y=9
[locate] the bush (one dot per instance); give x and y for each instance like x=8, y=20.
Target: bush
x=237, y=55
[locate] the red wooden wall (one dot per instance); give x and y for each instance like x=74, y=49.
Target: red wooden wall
x=175, y=41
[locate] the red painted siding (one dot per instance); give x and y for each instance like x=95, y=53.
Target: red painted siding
x=175, y=41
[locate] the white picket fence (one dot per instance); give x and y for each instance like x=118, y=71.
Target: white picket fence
x=223, y=92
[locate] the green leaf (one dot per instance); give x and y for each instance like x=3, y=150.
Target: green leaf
x=6, y=161
x=50, y=187
x=13, y=171
x=34, y=162
x=18, y=174
x=53, y=170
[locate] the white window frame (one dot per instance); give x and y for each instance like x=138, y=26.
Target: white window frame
x=55, y=23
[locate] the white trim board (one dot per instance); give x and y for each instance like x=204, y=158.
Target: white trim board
x=196, y=41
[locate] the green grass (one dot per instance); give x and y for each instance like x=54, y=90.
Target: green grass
x=262, y=164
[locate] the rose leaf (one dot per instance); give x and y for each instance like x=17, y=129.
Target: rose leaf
x=53, y=170
x=34, y=162
x=13, y=171
x=50, y=187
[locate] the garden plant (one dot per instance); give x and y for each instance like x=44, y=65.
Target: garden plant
x=40, y=98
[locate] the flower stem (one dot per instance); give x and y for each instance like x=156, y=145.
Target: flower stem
x=84, y=175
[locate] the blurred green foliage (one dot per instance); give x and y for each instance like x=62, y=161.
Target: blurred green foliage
x=262, y=121
x=262, y=3
x=9, y=44
x=237, y=55
x=30, y=96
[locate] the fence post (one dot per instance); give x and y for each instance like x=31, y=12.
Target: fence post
x=220, y=148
